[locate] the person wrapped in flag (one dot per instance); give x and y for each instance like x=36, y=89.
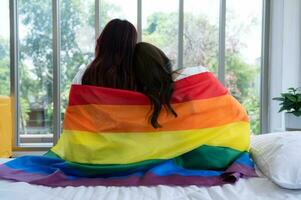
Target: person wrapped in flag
x=150, y=127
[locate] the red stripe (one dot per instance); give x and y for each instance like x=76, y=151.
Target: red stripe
x=199, y=86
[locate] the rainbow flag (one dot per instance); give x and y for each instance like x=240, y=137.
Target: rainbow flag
x=108, y=141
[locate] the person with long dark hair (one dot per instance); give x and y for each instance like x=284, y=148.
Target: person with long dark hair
x=112, y=65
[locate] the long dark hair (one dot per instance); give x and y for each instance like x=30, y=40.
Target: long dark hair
x=153, y=74
x=113, y=62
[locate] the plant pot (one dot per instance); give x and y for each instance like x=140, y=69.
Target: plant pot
x=292, y=122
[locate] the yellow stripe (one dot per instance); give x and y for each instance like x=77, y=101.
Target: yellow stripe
x=124, y=148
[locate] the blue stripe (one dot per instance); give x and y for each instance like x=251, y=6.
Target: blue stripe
x=170, y=168
x=245, y=159
x=34, y=164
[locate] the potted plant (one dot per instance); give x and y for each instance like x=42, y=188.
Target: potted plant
x=290, y=102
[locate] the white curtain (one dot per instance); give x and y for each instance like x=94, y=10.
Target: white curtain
x=285, y=55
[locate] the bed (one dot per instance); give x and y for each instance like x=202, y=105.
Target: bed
x=261, y=188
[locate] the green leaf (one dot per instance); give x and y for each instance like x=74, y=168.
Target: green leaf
x=278, y=98
x=292, y=89
x=289, y=103
x=292, y=98
x=299, y=97
x=297, y=113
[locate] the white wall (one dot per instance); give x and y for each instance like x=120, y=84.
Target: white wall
x=285, y=54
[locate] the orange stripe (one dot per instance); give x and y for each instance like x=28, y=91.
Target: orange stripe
x=195, y=114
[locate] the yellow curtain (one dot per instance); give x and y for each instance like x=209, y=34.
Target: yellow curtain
x=5, y=127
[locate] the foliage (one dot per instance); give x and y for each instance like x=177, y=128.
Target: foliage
x=25, y=109
x=200, y=42
x=240, y=76
x=290, y=101
x=252, y=106
x=160, y=31
x=4, y=67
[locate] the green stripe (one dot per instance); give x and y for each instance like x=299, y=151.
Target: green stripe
x=204, y=157
x=208, y=157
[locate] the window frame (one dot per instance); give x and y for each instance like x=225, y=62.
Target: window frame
x=14, y=60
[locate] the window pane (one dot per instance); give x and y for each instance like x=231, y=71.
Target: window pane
x=77, y=41
x=111, y=9
x=35, y=69
x=201, y=29
x=160, y=25
x=4, y=48
x=243, y=55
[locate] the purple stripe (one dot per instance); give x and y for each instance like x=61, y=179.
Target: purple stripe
x=59, y=179
x=236, y=171
x=242, y=169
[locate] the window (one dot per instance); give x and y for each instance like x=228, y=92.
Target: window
x=190, y=32
x=77, y=41
x=160, y=25
x=35, y=71
x=201, y=33
x=243, y=55
x=4, y=49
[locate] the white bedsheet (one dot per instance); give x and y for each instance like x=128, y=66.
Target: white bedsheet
x=246, y=189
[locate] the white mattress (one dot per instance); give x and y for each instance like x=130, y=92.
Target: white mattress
x=254, y=188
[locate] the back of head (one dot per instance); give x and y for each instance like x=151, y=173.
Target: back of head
x=112, y=65
x=153, y=74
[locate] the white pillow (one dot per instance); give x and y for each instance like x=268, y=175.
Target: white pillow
x=278, y=156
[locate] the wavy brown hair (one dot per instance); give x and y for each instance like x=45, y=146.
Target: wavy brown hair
x=153, y=74
x=112, y=65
